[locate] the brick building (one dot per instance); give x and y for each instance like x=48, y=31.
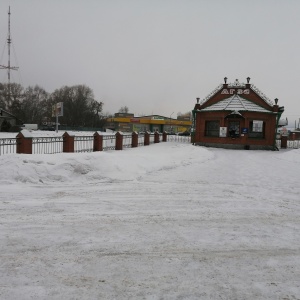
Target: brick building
x=236, y=115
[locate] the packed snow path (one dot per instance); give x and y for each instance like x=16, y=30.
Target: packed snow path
x=167, y=221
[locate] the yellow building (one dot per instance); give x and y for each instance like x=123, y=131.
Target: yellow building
x=126, y=122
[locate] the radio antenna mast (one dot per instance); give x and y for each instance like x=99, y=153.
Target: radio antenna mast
x=8, y=67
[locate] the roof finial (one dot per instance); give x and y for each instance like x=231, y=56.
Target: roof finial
x=248, y=79
x=225, y=80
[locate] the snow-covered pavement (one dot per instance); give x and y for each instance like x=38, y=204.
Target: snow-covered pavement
x=166, y=221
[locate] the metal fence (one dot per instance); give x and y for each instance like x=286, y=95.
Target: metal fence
x=179, y=138
x=47, y=145
x=127, y=140
x=151, y=138
x=290, y=144
x=294, y=144
x=141, y=139
x=109, y=142
x=83, y=143
x=8, y=146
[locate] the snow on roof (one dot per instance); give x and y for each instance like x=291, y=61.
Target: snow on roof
x=217, y=89
x=283, y=122
x=237, y=84
x=235, y=103
x=261, y=94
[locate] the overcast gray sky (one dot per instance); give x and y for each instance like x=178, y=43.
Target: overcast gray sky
x=156, y=56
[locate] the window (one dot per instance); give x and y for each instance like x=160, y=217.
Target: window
x=256, y=129
x=234, y=129
x=212, y=128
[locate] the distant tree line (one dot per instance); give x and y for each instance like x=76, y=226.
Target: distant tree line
x=34, y=105
x=124, y=110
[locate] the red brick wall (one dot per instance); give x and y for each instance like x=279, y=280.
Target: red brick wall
x=269, y=128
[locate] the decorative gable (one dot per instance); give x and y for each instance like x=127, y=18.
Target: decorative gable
x=236, y=103
x=248, y=91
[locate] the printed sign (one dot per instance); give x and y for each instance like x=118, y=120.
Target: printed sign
x=232, y=91
x=223, y=132
x=135, y=120
x=257, y=126
x=157, y=118
x=244, y=130
x=58, y=109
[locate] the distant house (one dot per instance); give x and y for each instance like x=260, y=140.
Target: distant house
x=7, y=120
x=238, y=116
x=295, y=134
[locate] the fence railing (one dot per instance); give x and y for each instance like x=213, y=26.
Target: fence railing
x=109, y=142
x=291, y=144
x=127, y=140
x=141, y=139
x=97, y=142
x=179, y=138
x=151, y=139
x=47, y=145
x=83, y=143
x=27, y=144
x=8, y=146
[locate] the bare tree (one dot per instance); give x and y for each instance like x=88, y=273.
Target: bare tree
x=80, y=107
x=124, y=109
x=10, y=96
x=34, y=105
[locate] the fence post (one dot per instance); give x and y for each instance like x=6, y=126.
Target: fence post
x=119, y=140
x=164, y=136
x=135, y=139
x=24, y=142
x=156, y=137
x=284, y=141
x=147, y=138
x=98, y=142
x=68, y=142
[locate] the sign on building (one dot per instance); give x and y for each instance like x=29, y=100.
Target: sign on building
x=223, y=132
x=244, y=130
x=257, y=126
x=233, y=91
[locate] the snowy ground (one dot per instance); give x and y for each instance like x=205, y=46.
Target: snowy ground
x=165, y=221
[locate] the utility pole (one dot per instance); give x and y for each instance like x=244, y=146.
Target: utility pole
x=8, y=67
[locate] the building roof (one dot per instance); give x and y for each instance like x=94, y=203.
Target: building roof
x=6, y=115
x=236, y=103
x=237, y=84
